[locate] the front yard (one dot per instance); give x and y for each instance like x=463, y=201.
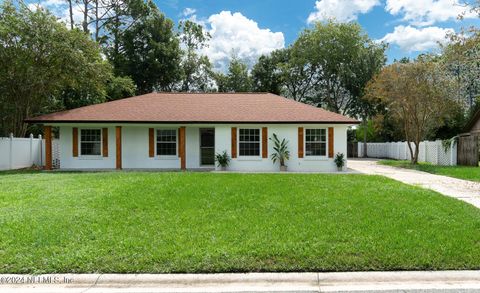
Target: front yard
x=205, y=222
x=461, y=172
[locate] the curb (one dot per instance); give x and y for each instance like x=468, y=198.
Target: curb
x=252, y=282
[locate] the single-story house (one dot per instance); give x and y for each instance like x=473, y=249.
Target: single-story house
x=186, y=130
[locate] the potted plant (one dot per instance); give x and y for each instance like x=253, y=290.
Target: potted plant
x=223, y=160
x=281, y=152
x=339, y=161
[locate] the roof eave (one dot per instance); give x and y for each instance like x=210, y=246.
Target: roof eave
x=35, y=121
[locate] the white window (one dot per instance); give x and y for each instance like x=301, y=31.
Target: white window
x=249, y=142
x=166, y=142
x=316, y=142
x=90, y=142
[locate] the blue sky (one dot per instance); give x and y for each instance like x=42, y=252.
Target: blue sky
x=414, y=26
x=250, y=28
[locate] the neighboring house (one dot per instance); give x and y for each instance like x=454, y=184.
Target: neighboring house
x=186, y=130
x=473, y=126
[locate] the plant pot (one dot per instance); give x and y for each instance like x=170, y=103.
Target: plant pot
x=340, y=169
x=283, y=168
x=223, y=168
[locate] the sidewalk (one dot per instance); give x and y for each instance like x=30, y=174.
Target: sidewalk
x=440, y=281
x=465, y=190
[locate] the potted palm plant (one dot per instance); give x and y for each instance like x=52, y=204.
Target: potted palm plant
x=339, y=161
x=223, y=160
x=281, y=153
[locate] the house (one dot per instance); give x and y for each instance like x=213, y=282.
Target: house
x=473, y=126
x=186, y=130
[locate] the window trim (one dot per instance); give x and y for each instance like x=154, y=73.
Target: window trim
x=252, y=158
x=166, y=157
x=96, y=157
x=307, y=157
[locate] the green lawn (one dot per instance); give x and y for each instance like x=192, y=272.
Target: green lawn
x=462, y=172
x=206, y=222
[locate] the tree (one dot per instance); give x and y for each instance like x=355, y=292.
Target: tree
x=149, y=52
x=196, y=69
x=266, y=73
x=237, y=78
x=413, y=97
x=119, y=88
x=344, y=59
x=41, y=59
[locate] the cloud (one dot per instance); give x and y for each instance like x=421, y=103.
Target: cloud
x=341, y=10
x=60, y=9
x=411, y=39
x=235, y=34
x=427, y=12
x=188, y=11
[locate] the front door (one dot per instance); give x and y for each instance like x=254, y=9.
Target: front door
x=207, y=146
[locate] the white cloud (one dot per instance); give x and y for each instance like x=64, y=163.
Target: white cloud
x=341, y=10
x=60, y=9
x=188, y=11
x=238, y=35
x=411, y=39
x=427, y=12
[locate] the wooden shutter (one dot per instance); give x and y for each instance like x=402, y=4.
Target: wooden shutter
x=264, y=142
x=330, y=142
x=182, y=141
x=74, y=142
x=300, y=142
x=234, y=142
x=151, y=142
x=48, y=147
x=118, y=142
x=105, y=142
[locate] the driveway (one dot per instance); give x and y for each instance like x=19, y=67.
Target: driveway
x=465, y=190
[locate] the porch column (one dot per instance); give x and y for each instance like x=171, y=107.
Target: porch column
x=118, y=140
x=182, y=139
x=48, y=147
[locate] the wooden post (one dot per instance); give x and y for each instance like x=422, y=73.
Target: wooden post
x=183, y=163
x=48, y=147
x=118, y=136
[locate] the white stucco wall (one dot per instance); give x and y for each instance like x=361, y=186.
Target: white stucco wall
x=290, y=133
x=135, y=148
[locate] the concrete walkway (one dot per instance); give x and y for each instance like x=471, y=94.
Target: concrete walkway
x=440, y=281
x=467, y=191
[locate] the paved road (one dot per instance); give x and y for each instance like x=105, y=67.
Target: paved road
x=467, y=191
x=439, y=281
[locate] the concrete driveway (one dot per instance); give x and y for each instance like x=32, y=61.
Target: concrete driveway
x=465, y=190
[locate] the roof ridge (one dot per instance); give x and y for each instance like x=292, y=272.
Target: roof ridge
x=213, y=93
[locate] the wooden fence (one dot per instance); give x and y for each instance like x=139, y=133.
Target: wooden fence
x=468, y=150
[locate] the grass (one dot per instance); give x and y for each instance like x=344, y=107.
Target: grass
x=461, y=172
x=128, y=222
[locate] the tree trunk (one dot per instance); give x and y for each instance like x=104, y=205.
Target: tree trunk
x=365, y=148
x=410, y=150
x=417, y=150
x=85, y=16
x=71, y=13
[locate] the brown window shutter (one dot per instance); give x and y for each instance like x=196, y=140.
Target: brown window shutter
x=105, y=142
x=234, y=142
x=330, y=142
x=75, y=142
x=151, y=142
x=300, y=142
x=264, y=142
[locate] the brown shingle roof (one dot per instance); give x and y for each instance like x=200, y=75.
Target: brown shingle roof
x=198, y=108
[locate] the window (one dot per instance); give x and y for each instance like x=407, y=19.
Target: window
x=90, y=142
x=315, y=142
x=249, y=142
x=166, y=142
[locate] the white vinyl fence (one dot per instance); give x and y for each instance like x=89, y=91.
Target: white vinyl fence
x=429, y=151
x=17, y=153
